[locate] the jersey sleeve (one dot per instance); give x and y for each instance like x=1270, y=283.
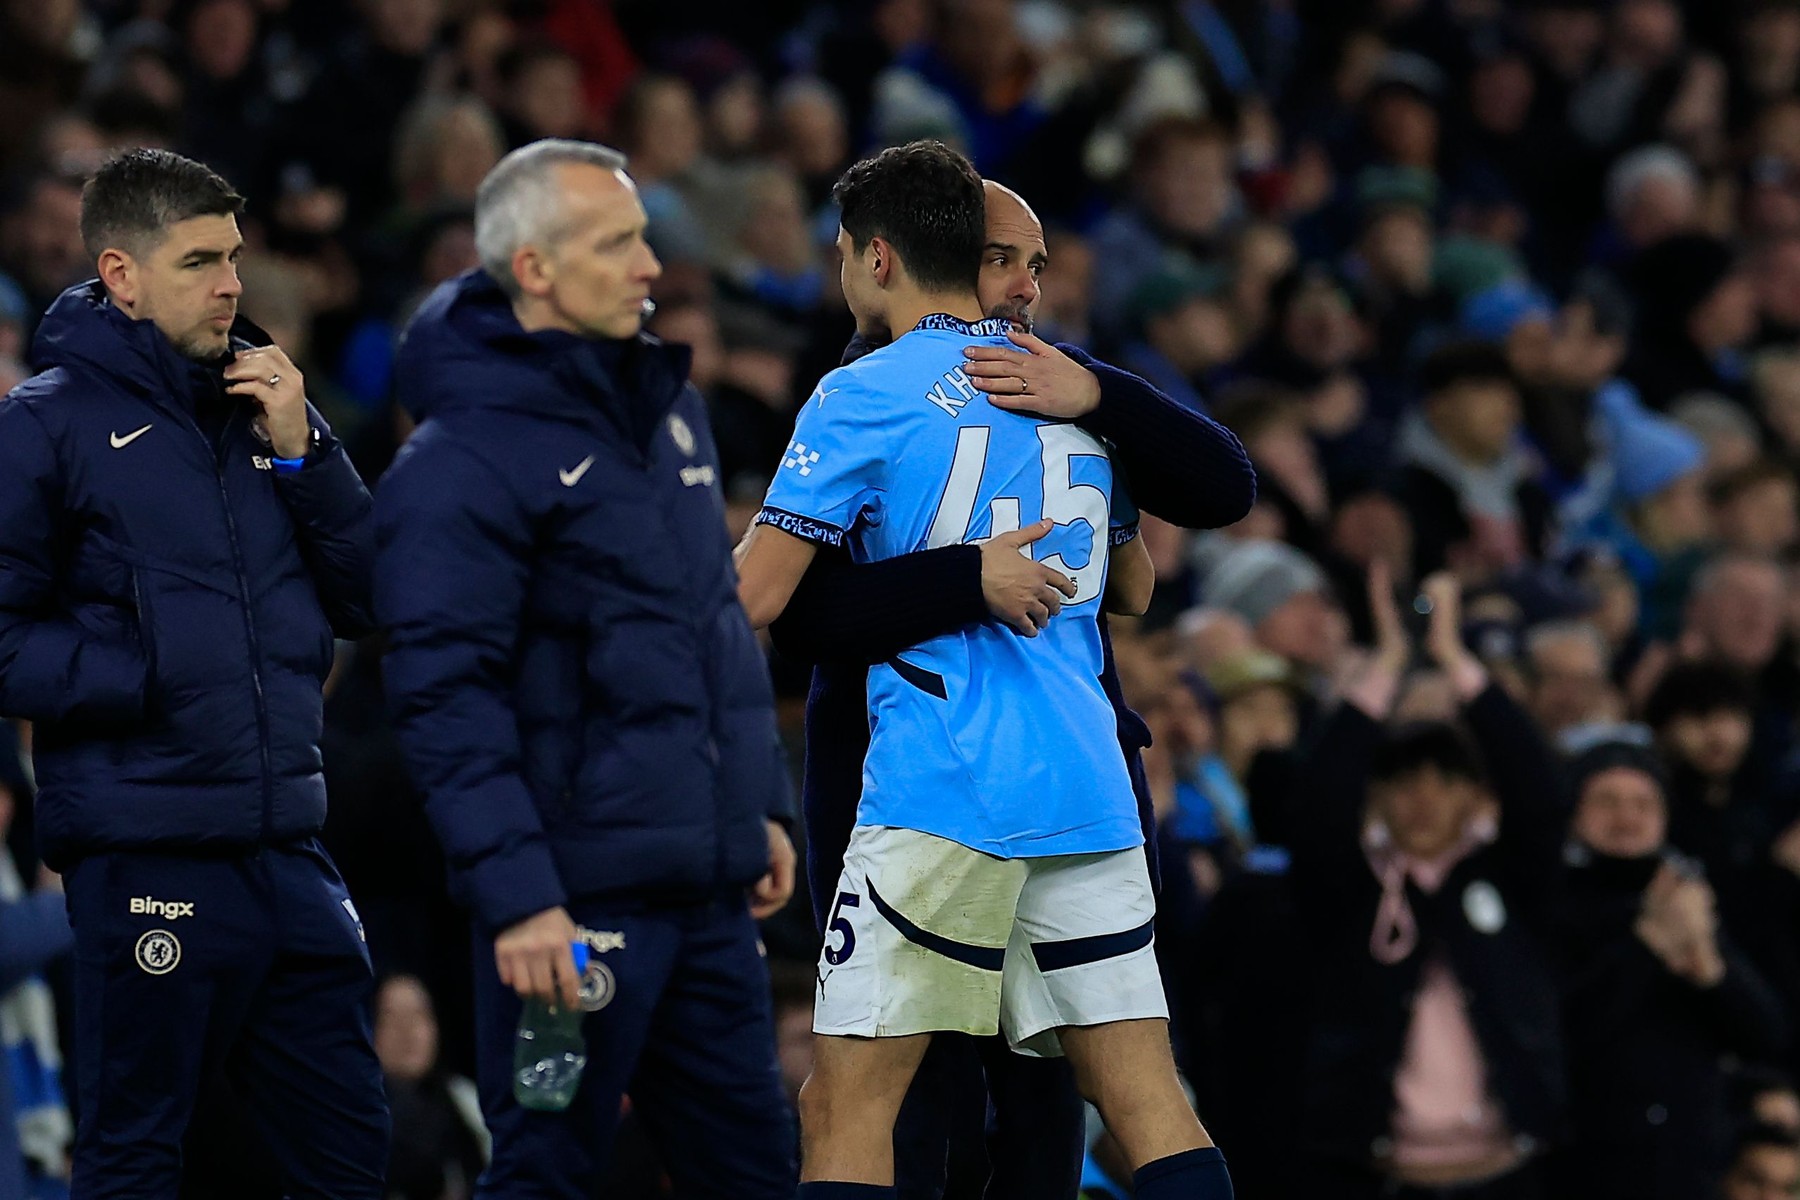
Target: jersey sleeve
x=828, y=478
x=1124, y=517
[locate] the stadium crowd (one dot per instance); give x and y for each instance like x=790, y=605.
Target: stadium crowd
x=1504, y=291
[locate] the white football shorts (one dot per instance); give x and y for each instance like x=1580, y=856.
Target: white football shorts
x=927, y=935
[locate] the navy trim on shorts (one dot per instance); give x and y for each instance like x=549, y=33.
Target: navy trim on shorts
x=1075, y=952
x=974, y=956
x=929, y=682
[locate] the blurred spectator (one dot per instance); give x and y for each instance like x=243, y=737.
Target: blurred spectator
x=1765, y=1166
x=538, y=85
x=1766, y=1096
x=1656, y=994
x=1776, y=387
x=1566, y=674
x=657, y=124
x=1421, y=863
x=443, y=149
x=342, y=132
x=1658, y=522
x=1724, y=427
x=1182, y=332
x=15, y=318
x=771, y=258
x=1286, y=600
x=1393, y=260
x=1256, y=711
x=1756, y=508
x=1734, y=613
x=971, y=86
x=227, y=114
x=1400, y=111
x=1182, y=201
x=1291, y=486
x=1696, y=310
x=1465, y=481
x=811, y=135
x=1652, y=193
x=40, y=239
x=35, y=1126
x=439, y=1145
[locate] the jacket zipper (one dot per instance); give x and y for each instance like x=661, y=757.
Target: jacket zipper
x=243, y=582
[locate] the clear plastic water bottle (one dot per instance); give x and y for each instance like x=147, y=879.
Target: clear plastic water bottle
x=550, y=1053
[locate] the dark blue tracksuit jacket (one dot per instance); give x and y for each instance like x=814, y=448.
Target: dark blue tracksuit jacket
x=167, y=603
x=575, y=684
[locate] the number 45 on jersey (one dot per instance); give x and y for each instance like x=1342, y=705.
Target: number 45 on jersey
x=1080, y=510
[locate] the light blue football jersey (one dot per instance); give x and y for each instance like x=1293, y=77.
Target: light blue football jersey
x=1003, y=743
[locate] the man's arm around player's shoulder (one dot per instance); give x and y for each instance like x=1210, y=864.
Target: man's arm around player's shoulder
x=1184, y=467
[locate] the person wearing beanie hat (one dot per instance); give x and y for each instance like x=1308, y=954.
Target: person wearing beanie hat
x=1182, y=328
x=1400, y=109
x=1394, y=260
x=1696, y=312
x=1659, y=522
x=1494, y=313
x=1656, y=992
x=1621, y=794
x=1285, y=598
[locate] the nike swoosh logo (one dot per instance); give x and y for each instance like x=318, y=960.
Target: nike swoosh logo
x=119, y=443
x=573, y=475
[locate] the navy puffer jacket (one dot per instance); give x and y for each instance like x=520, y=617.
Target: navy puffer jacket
x=167, y=602
x=577, y=690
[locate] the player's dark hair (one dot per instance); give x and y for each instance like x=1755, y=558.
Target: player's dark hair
x=1422, y=745
x=925, y=200
x=132, y=200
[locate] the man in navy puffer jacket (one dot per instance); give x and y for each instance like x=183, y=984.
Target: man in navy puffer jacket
x=180, y=538
x=579, y=695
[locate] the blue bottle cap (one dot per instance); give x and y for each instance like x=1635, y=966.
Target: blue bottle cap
x=580, y=950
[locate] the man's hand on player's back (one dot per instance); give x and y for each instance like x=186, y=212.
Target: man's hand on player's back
x=1020, y=590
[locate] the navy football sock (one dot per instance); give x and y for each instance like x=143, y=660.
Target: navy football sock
x=1190, y=1175
x=825, y=1190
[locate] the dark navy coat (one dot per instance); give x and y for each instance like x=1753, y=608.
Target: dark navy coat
x=167, y=602
x=577, y=690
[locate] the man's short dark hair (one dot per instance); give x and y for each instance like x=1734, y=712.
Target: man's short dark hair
x=926, y=201
x=1423, y=745
x=1697, y=689
x=1464, y=362
x=132, y=200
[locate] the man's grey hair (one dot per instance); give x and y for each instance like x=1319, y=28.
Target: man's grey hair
x=518, y=203
x=1642, y=165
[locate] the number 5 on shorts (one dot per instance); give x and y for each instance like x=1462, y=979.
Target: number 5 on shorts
x=841, y=924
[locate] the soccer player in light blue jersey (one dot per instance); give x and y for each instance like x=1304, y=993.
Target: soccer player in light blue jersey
x=996, y=879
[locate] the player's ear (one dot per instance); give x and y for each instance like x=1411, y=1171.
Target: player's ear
x=881, y=260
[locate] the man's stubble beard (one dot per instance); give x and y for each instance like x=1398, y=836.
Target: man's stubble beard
x=203, y=347
x=1007, y=311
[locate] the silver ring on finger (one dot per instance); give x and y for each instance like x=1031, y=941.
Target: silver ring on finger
x=274, y=379
x=1024, y=388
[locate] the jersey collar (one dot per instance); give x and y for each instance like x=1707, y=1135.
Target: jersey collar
x=986, y=327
